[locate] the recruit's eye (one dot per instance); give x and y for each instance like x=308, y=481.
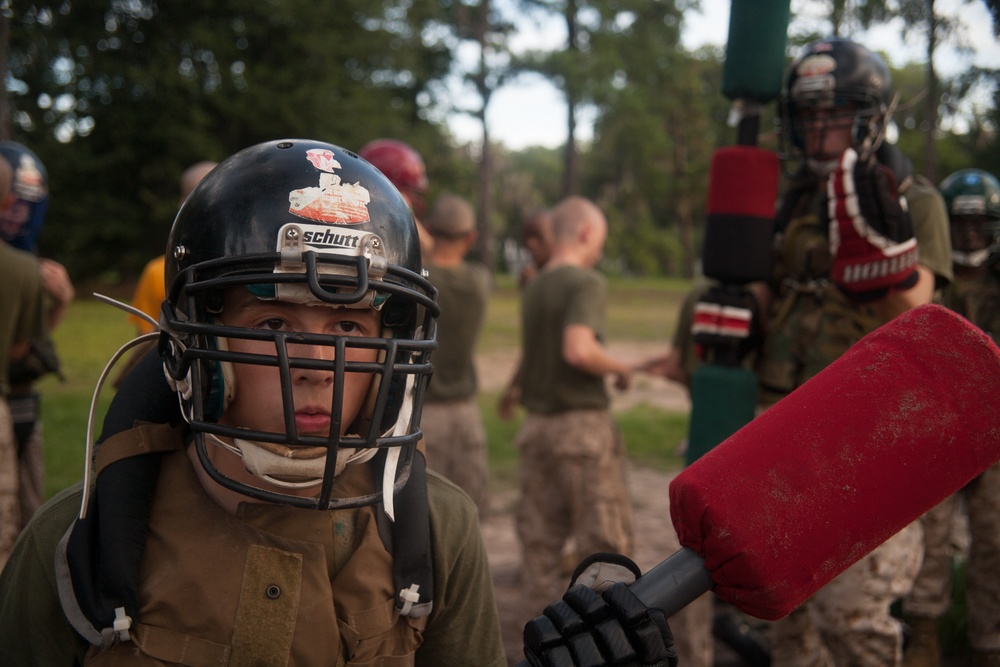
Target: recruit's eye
x=272, y=323
x=357, y=323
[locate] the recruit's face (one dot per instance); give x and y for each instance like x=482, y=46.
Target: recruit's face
x=828, y=133
x=257, y=403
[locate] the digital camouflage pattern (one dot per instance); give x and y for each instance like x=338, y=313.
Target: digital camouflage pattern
x=977, y=299
x=811, y=323
x=573, y=486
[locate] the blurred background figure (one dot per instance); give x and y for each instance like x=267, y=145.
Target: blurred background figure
x=21, y=222
x=536, y=237
x=452, y=422
x=22, y=321
x=854, y=204
x=150, y=291
x=404, y=167
x=572, y=455
x=22, y=219
x=972, y=197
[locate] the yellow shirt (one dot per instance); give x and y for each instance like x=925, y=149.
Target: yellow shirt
x=149, y=294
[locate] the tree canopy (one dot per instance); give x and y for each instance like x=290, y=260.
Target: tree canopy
x=117, y=97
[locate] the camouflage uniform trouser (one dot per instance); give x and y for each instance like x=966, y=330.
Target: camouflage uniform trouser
x=931, y=594
x=24, y=410
x=456, y=447
x=31, y=495
x=572, y=486
x=10, y=515
x=847, y=622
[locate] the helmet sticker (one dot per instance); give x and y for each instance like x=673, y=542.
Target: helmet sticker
x=29, y=184
x=333, y=201
x=816, y=65
x=816, y=80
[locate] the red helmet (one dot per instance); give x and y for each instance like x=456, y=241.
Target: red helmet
x=402, y=165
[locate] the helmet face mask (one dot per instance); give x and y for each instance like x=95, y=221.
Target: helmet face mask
x=973, y=239
x=311, y=231
x=833, y=79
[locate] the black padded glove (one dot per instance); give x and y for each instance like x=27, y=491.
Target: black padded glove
x=587, y=628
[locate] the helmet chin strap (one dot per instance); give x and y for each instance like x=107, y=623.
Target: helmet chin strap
x=289, y=467
x=973, y=259
x=401, y=427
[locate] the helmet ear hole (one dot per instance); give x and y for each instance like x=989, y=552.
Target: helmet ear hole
x=221, y=383
x=213, y=302
x=398, y=314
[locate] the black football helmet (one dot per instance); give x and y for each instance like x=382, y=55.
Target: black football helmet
x=973, y=200
x=307, y=222
x=837, y=75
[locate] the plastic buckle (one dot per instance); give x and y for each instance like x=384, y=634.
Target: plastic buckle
x=122, y=624
x=409, y=596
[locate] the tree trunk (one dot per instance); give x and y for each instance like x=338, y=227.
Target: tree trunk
x=685, y=206
x=930, y=152
x=571, y=174
x=484, y=176
x=5, y=111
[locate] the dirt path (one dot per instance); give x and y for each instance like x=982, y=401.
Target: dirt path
x=654, y=533
x=653, y=544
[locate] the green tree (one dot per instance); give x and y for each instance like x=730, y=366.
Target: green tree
x=660, y=116
x=483, y=25
x=118, y=96
x=574, y=69
x=936, y=29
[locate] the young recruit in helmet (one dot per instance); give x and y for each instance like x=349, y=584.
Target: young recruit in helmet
x=973, y=200
x=402, y=165
x=22, y=218
x=835, y=84
x=299, y=324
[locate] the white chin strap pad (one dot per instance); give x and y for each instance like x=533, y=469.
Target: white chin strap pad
x=286, y=466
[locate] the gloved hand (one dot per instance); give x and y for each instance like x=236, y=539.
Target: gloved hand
x=871, y=234
x=725, y=324
x=600, y=621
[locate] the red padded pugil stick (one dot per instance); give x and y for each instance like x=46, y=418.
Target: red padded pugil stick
x=739, y=220
x=901, y=421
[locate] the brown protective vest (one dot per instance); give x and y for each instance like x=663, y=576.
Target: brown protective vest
x=275, y=585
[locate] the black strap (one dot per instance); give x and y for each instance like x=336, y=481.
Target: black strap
x=144, y=396
x=408, y=538
x=104, y=550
